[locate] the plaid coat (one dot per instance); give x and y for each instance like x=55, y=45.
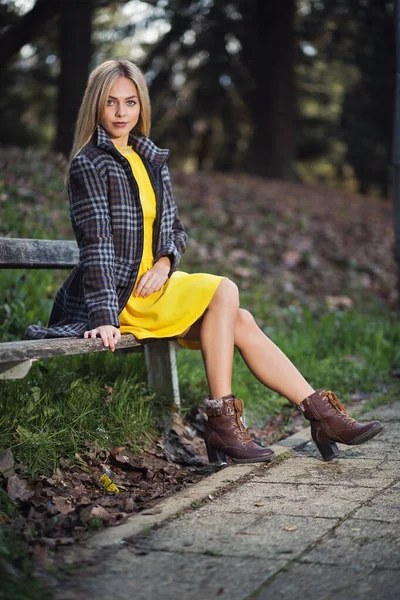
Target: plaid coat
x=107, y=220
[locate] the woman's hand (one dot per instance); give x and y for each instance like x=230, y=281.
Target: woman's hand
x=108, y=333
x=154, y=278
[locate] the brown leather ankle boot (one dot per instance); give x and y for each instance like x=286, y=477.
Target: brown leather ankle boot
x=225, y=434
x=330, y=423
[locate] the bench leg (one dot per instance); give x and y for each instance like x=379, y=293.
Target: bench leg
x=15, y=369
x=162, y=373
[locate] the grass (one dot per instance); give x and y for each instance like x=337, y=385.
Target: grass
x=66, y=403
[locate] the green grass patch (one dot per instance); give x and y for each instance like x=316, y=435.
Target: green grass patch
x=66, y=403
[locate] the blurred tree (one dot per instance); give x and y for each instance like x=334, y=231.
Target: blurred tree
x=17, y=31
x=75, y=51
x=369, y=105
x=230, y=65
x=72, y=51
x=231, y=80
x=355, y=40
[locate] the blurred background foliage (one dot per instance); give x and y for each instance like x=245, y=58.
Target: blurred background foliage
x=290, y=89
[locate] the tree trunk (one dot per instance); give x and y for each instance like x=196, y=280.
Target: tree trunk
x=396, y=153
x=26, y=28
x=75, y=28
x=268, y=49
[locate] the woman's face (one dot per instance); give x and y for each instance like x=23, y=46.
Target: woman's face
x=122, y=110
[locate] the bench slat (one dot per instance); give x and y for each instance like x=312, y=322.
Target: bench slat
x=33, y=349
x=17, y=253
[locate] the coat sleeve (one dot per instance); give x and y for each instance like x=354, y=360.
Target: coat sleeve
x=172, y=229
x=91, y=221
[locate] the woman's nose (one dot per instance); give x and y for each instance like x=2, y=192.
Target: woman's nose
x=120, y=112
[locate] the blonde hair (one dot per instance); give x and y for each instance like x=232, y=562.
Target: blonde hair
x=96, y=96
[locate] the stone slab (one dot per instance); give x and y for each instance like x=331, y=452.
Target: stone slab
x=386, y=507
x=294, y=499
x=171, y=576
x=360, y=542
x=348, y=471
x=317, y=582
x=386, y=412
x=237, y=535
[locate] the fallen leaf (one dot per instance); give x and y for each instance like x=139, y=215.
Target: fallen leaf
x=109, y=391
x=334, y=302
x=291, y=258
x=124, y=459
x=351, y=358
x=258, y=503
x=129, y=504
x=101, y=513
x=290, y=527
x=62, y=505
x=57, y=476
x=6, y=463
x=18, y=489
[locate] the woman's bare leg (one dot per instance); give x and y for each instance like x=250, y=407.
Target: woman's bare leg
x=267, y=362
x=217, y=337
x=264, y=359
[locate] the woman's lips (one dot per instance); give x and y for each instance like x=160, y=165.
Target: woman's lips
x=120, y=124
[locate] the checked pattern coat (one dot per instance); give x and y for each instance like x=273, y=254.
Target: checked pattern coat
x=107, y=220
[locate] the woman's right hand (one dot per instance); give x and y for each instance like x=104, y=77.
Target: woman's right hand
x=108, y=333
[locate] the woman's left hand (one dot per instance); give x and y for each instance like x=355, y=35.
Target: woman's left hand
x=153, y=279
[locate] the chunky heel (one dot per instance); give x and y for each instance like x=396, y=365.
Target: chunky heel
x=215, y=455
x=328, y=450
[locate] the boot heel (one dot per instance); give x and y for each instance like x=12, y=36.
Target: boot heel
x=215, y=455
x=328, y=450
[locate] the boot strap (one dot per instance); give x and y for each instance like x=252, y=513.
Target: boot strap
x=220, y=411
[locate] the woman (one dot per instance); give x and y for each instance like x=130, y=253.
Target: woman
x=130, y=241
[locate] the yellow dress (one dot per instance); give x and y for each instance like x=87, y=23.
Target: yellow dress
x=183, y=298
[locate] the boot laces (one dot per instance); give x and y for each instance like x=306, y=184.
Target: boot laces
x=242, y=432
x=337, y=406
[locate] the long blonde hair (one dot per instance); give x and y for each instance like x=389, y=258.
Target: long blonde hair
x=96, y=96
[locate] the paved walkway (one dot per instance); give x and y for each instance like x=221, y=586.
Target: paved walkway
x=297, y=528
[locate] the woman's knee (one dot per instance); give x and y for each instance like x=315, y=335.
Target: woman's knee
x=245, y=320
x=227, y=293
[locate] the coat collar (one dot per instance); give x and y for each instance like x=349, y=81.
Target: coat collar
x=140, y=143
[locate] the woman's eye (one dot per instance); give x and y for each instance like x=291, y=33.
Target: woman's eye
x=131, y=103
x=110, y=102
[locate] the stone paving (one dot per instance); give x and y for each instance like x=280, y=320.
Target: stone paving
x=301, y=527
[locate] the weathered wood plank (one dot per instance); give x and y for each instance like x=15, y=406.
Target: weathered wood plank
x=33, y=349
x=17, y=253
x=162, y=372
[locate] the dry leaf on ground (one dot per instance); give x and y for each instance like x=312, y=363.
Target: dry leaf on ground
x=62, y=505
x=18, y=489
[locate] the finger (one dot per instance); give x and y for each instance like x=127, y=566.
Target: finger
x=111, y=342
x=143, y=284
x=117, y=336
x=149, y=288
x=104, y=337
x=93, y=333
x=86, y=335
x=146, y=293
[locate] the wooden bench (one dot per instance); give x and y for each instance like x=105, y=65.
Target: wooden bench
x=16, y=358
